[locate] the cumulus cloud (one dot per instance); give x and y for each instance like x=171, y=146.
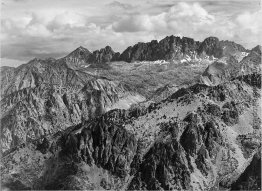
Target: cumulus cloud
x=29, y=25
x=182, y=13
x=134, y=23
x=249, y=28
x=67, y=19
x=250, y=21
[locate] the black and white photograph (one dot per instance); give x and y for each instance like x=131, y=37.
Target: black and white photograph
x=130, y=95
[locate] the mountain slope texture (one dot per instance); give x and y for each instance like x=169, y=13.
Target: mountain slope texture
x=174, y=114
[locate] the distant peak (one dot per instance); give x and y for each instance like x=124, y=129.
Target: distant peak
x=108, y=47
x=80, y=51
x=35, y=60
x=211, y=38
x=78, y=57
x=81, y=48
x=257, y=48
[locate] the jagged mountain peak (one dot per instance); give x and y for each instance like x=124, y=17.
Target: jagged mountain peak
x=211, y=47
x=104, y=55
x=169, y=48
x=231, y=66
x=187, y=38
x=81, y=47
x=257, y=49
x=35, y=60
x=211, y=39
x=78, y=57
x=233, y=45
x=80, y=51
x=108, y=48
x=180, y=48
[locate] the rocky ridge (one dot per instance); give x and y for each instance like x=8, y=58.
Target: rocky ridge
x=169, y=48
x=198, y=138
x=42, y=99
x=176, y=48
x=225, y=69
x=82, y=57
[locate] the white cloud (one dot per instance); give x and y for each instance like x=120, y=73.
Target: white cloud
x=134, y=23
x=250, y=21
x=181, y=14
x=37, y=30
x=28, y=25
x=193, y=11
x=67, y=19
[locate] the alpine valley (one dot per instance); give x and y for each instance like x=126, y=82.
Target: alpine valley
x=174, y=114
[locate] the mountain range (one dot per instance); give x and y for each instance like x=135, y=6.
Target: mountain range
x=174, y=114
x=169, y=48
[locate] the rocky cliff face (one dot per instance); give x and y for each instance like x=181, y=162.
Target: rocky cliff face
x=176, y=48
x=168, y=48
x=251, y=177
x=78, y=57
x=104, y=55
x=82, y=57
x=225, y=69
x=211, y=47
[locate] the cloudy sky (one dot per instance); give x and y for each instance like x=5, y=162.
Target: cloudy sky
x=53, y=28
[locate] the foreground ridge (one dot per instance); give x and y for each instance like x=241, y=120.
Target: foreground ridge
x=200, y=137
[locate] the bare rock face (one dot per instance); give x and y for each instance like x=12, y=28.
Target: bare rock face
x=226, y=69
x=211, y=46
x=251, y=63
x=163, y=92
x=112, y=148
x=251, y=177
x=7, y=74
x=232, y=49
x=78, y=57
x=104, y=55
x=164, y=167
x=82, y=57
x=168, y=48
x=176, y=48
